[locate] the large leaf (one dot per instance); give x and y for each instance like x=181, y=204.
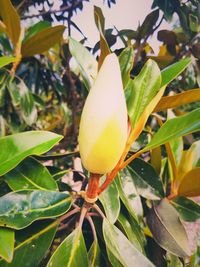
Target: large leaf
x=172, y=71
x=32, y=246
x=176, y=127
x=190, y=183
x=122, y=248
x=30, y=174
x=174, y=101
x=14, y=148
x=100, y=23
x=133, y=231
x=39, y=26
x=86, y=62
x=126, y=63
x=21, y=208
x=42, y=41
x=165, y=225
x=6, y=60
x=7, y=241
x=29, y=111
x=111, y=202
x=94, y=255
x=11, y=20
x=187, y=208
x=129, y=194
x=71, y=252
x=146, y=180
x=142, y=90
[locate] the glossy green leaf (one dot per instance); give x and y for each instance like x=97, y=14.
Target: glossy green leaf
x=42, y=41
x=85, y=60
x=7, y=241
x=33, y=246
x=122, y=248
x=193, y=23
x=14, y=148
x=30, y=174
x=6, y=60
x=133, y=231
x=149, y=23
x=11, y=20
x=146, y=180
x=172, y=71
x=111, y=202
x=39, y=26
x=165, y=225
x=129, y=194
x=21, y=208
x=174, y=128
x=176, y=145
x=126, y=63
x=29, y=111
x=71, y=252
x=142, y=90
x=188, y=209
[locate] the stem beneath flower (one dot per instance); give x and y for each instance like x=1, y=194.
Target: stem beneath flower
x=93, y=187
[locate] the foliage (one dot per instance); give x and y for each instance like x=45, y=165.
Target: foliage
x=140, y=210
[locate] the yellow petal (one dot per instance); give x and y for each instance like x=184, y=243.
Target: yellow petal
x=103, y=126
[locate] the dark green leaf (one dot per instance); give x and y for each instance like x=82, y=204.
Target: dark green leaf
x=86, y=62
x=7, y=241
x=165, y=225
x=21, y=208
x=148, y=24
x=187, y=208
x=146, y=180
x=14, y=148
x=176, y=127
x=71, y=252
x=30, y=174
x=32, y=249
x=142, y=90
x=121, y=247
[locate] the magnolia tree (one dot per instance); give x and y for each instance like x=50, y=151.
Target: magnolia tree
x=115, y=181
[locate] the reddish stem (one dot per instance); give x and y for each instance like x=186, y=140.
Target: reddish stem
x=93, y=186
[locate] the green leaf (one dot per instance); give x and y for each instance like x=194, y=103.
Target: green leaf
x=122, y=248
x=133, y=231
x=6, y=60
x=41, y=25
x=71, y=252
x=193, y=23
x=142, y=90
x=94, y=255
x=33, y=246
x=30, y=174
x=42, y=41
x=86, y=62
x=21, y=208
x=148, y=24
x=187, y=208
x=111, y=202
x=146, y=180
x=11, y=20
x=126, y=63
x=172, y=71
x=14, y=148
x=129, y=194
x=174, y=128
x=165, y=225
x=7, y=241
x=29, y=111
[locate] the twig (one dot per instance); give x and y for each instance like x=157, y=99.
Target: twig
x=92, y=227
x=65, y=225
x=84, y=211
x=96, y=207
x=68, y=214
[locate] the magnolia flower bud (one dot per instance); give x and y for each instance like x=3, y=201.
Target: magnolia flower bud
x=103, y=126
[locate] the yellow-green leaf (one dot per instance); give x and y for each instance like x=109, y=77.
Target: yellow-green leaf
x=11, y=20
x=174, y=101
x=42, y=41
x=190, y=184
